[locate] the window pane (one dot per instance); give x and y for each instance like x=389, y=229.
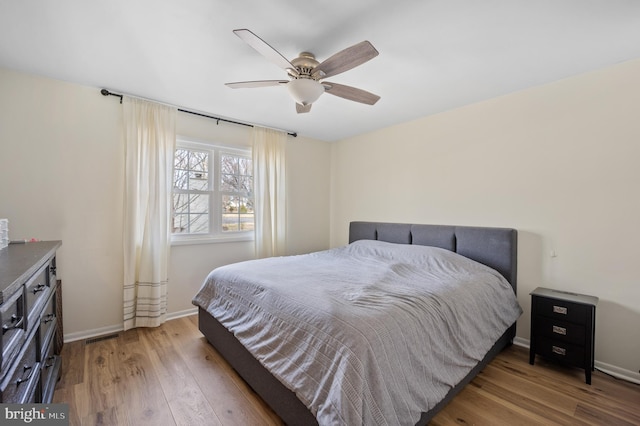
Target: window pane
x=199, y=161
x=198, y=203
x=229, y=213
x=237, y=214
x=246, y=222
x=246, y=184
x=180, y=203
x=181, y=160
x=229, y=223
x=245, y=166
x=180, y=224
x=228, y=164
x=229, y=182
x=245, y=205
x=199, y=223
x=229, y=204
x=190, y=224
x=246, y=217
x=198, y=181
x=180, y=179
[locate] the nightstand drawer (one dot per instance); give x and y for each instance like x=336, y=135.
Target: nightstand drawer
x=561, y=330
x=562, y=351
x=562, y=310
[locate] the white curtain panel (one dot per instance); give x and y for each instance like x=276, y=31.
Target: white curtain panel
x=269, y=174
x=150, y=137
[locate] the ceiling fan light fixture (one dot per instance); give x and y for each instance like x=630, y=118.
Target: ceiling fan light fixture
x=305, y=91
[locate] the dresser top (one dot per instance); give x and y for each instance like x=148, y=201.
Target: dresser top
x=19, y=261
x=565, y=295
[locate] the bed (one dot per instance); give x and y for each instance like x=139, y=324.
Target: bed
x=275, y=369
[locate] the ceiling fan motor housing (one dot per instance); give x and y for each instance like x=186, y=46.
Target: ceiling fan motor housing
x=305, y=63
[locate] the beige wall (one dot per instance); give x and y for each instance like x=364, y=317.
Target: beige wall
x=61, y=168
x=558, y=162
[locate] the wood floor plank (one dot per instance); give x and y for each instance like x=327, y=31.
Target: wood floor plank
x=72, y=374
x=185, y=398
x=228, y=401
x=146, y=403
x=111, y=416
x=171, y=376
x=101, y=365
x=600, y=417
x=67, y=395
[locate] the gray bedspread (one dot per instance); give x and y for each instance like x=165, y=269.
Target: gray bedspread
x=371, y=333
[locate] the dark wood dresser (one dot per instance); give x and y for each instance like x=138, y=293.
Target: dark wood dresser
x=29, y=364
x=563, y=328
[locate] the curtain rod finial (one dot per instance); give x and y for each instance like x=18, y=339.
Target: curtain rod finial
x=105, y=92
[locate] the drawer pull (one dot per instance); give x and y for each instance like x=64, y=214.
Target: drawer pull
x=17, y=324
x=559, y=330
x=558, y=350
x=559, y=310
x=51, y=358
x=25, y=379
x=38, y=288
x=48, y=318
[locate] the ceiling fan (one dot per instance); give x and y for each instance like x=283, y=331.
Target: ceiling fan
x=306, y=75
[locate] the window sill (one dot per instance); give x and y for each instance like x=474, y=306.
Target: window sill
x=185, y=241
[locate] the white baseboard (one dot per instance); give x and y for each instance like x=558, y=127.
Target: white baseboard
x=519, y=341
x=612, y=370
x=618, y=373
x=86, y=334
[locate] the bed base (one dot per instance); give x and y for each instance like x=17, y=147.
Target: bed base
x=495, y=247
x=283, y=401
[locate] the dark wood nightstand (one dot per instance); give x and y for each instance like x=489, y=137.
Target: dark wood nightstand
x=563, y=327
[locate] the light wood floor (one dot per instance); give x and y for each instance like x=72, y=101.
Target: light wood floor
x=170, y=375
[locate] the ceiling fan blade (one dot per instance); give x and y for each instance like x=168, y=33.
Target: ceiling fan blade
x=264, y=49
x=302, y=108
x=346, y=59
x=351, y=93
x=252, y=84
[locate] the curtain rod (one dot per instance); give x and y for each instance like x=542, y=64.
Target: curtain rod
x=106, y=92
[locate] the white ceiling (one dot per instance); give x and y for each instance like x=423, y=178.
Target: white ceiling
x=435, y=55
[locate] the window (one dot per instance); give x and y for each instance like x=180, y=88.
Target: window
x=212, y=193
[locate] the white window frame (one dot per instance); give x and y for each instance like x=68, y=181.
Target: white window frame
x=215, y=235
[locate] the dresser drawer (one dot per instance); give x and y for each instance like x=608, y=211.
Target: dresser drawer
x=21, y=385
x=37, y=289
x=562, y=310
x=13, y=329
x=47, y=324
x=50, y=369
x=561, y=331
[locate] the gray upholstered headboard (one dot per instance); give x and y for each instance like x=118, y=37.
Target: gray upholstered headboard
x=494, y=247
